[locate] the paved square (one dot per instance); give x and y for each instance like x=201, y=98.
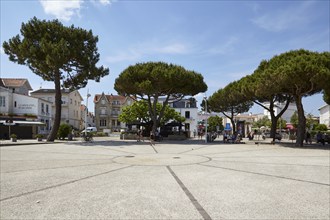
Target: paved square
x=114, y=179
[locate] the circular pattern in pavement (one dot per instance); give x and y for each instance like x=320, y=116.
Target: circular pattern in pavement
x=160, y=159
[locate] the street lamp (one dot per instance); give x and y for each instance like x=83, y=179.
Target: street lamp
x=88, y=95
x=205, y=99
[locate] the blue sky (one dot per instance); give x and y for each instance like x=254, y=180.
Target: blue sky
x=222, y=40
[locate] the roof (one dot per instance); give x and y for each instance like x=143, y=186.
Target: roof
x=110, y=98
x=15, y=83
x=50, y=91
x=324, y=106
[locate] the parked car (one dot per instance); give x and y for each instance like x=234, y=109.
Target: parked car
x=90, y=129
x=278, y=136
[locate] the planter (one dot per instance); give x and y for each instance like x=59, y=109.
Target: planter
x=39, y=139
x=14, y=139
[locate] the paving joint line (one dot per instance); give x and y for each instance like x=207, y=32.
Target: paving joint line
x=279, y=164
x=61, y=184
x=53, y=168
x=152, y=145
x=193, y=200
x=264, y=174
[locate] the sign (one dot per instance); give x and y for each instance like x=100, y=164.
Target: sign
x=227, y=128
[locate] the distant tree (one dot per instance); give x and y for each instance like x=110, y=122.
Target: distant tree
x=294, y=119
x=281, y=123
x=310, y=122
x=66, y=56
x=262, y=122
x=321, y=127
x=214, y=122
x=230, y=102
x=203, y=106
x=139, y=112
x=152, y=81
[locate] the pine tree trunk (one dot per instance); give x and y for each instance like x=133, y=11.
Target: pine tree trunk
x=301, y=122
x=58, y=108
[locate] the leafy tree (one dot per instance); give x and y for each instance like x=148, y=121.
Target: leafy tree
x=66, y=56
x=230, y=102
x=326, y=97
x=310, y=121
x=294, y=119
x=264, y=121
x=260, y=88
x=153, y=81
x=203, y=107
x=139, y=112
x=321, y=127
x=63, y=131
x=281, y=123
x=213, y=122
x=301, y=73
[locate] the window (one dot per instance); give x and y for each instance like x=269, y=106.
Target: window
x=70, y=101
x=103, y=111
x=2, y=101
x=116, y=102
x=103, y=122
x=187, y=114
x=15, y=104
x=42, y=107
x=75, y=102
x=47, y=109
x=118, y=123
x=103, y=101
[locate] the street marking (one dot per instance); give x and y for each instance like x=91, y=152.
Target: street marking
x=193, y=200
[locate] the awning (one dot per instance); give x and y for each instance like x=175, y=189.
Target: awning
x=289, y=126
x=38, y=123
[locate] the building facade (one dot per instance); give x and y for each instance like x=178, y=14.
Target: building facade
x=107, y=110
x=71, y=102
x=187, y=109
x=21, y=114
x=90, y=117
x=325, y=115
x=292, y=108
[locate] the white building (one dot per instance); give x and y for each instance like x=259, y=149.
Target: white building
x=71, y=102
x=21, y=114
x=292, y=108
x=325, y=115
x=187, y=109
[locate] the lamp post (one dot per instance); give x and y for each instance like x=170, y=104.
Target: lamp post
x=88, y=95
x=205, y=99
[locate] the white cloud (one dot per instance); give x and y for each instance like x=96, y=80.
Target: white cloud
x=284, y=19
x=105, y=2
x=1, y=50
x=62, y=10
x=138, y=51
x=225, y=48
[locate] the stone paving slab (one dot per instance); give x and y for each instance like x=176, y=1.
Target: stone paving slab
x=114, y=179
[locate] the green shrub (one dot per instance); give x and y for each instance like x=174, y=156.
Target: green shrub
x=100, y=134
x=64, y=131
x=321, y=127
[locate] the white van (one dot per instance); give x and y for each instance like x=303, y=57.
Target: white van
x=90, y=129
